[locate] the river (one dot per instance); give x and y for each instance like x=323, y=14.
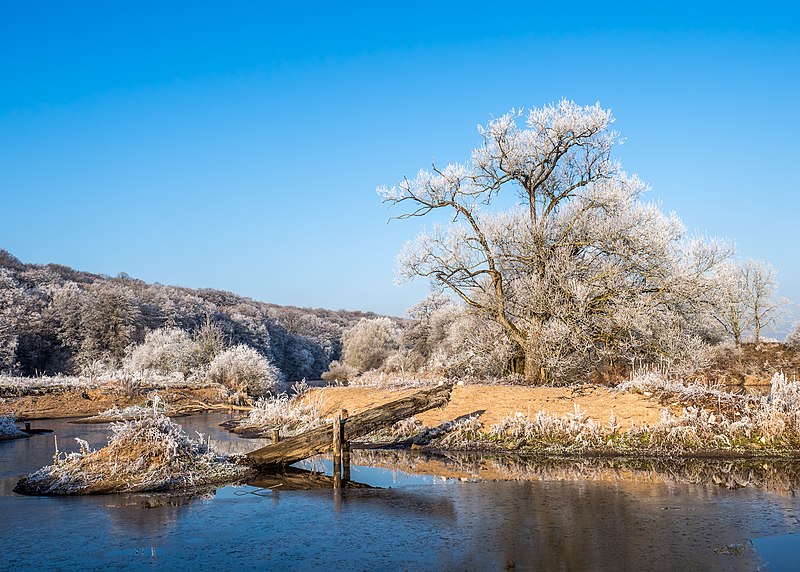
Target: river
x=557, y=517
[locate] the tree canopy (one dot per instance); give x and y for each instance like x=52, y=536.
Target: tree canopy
x=581, y=271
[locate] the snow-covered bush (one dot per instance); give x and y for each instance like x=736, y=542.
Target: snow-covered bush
x=165, y=351
x=340, y=372
x=473, y=347
x=241, y=368
x=793, y=339
x=9, y=429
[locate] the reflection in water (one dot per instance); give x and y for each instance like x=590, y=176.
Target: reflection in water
x=774, y=475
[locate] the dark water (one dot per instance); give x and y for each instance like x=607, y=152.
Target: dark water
x=414, y=523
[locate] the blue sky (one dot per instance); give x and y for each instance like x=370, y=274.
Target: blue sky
x=240, y=147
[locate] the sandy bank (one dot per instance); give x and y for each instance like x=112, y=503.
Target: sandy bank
x=494, y=402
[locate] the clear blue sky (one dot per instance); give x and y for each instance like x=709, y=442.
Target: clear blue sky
x=240, y=147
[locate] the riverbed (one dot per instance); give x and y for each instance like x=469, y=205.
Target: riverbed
x=573, y=517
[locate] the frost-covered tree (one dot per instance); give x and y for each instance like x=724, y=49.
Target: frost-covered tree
x=581, y=266
x=109, y=324
x=759, y=282
x=746, y=301
x=731, y=308
x=366, y=345
x=242, y=368
x=793, y=339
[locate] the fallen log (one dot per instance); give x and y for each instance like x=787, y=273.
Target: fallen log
x=319, y=440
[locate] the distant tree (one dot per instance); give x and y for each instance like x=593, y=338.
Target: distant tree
x=746, y=300
x=793, y=339
x=109, y=324
x=366, y=345
x=731, y=307
x=759, y=281
x=210, y=341
x=582, y=267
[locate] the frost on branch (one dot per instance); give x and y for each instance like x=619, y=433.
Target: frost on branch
x=582, y=274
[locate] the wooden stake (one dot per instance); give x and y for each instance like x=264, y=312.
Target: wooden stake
x=276, y=435
x=337, y=451
x=345, y=448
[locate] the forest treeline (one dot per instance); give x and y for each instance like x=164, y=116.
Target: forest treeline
x=57, y=320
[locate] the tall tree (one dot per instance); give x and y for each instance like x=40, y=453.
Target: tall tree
x=581, y=270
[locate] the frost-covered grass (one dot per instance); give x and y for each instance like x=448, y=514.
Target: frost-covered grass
x=652, y=383
x=384, y=380
x=291, y=415
x=14, y=386
x=154, y=404
x=150, y=453
x=9, y=429
x=716, y=421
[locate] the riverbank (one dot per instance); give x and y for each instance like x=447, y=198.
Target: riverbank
x=647, y=416
x=62, y=402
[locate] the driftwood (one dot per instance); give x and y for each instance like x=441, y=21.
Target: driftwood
x=319, y=440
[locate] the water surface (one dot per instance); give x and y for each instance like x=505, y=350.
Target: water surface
x=414, y=522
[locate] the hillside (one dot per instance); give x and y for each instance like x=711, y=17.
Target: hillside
x=55, y=319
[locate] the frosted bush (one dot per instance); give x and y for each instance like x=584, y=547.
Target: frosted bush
x=793, y=339
x=9, y=429
x=241, y=368
x=165, y=351
x=340, y=372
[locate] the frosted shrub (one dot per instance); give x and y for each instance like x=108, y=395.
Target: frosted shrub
x=241, y=368
x=339, y=371
x=793, y=339
x=164, y=351
x=9, y=429
x=651, y=382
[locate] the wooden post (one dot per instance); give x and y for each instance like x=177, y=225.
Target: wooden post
x=345, y=449
x=276, y=435
x=337, y=451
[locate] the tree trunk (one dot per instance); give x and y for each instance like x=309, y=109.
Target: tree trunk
x=534, y=370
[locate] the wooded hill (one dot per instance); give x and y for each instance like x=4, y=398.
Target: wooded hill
x=55, y=319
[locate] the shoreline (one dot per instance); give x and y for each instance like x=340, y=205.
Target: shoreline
x=487, y=404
